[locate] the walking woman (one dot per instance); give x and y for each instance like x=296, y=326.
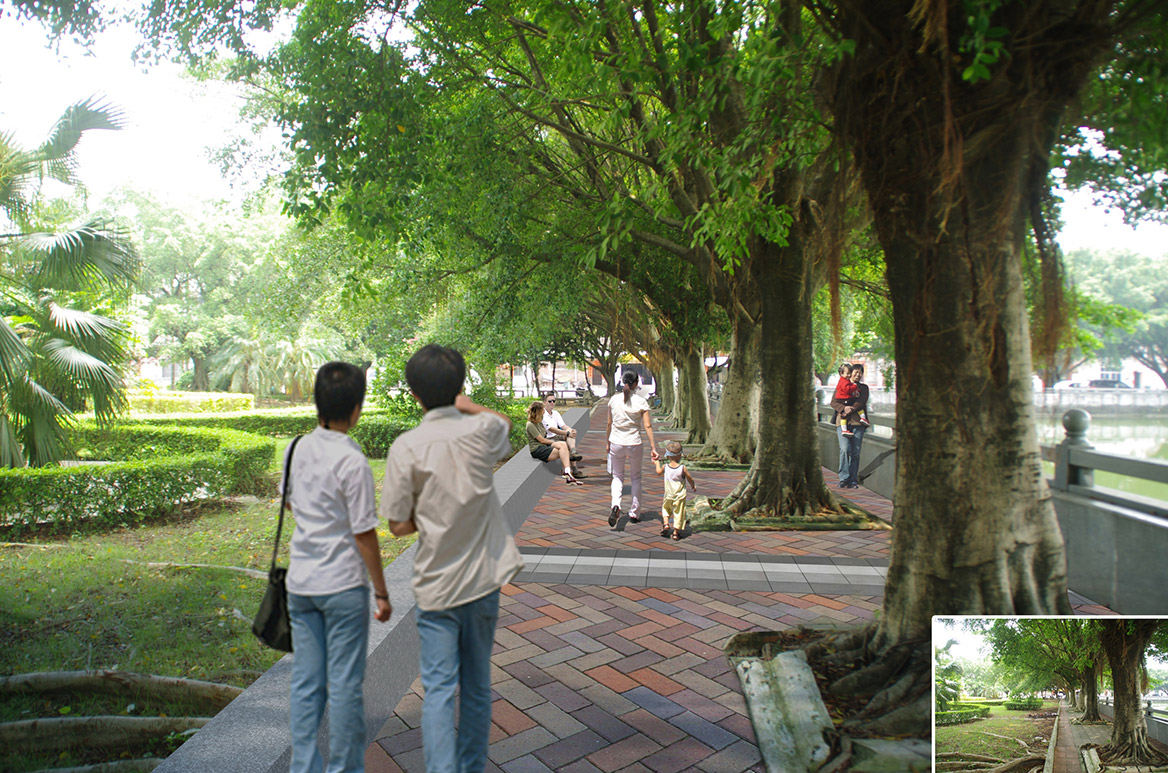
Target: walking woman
x=627, y=413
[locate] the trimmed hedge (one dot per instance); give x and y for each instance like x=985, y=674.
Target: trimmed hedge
x=1023, y=704
x=156, y=401
x=962, y=715
x=151, y=471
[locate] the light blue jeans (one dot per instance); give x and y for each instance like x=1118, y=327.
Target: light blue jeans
x=456, y=653
x=329, y=636
x=849, y=460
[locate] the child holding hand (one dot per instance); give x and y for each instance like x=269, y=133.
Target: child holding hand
x=676, y=478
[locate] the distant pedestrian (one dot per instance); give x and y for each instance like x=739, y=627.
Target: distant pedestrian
x=849, y=419
x=676, y=477
x=627, y=413
x=439, y=482
x=845, y=393
x=330, y=492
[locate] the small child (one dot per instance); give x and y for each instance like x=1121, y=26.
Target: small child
x=845, y=392
x=676, y=477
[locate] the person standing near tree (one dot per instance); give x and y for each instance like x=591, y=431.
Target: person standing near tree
x=851, y=429
x=627, y=413
x=439, y=482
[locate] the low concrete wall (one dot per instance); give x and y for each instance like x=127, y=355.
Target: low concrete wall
x=251, y=735
x=877, y=459
x=1116, y=556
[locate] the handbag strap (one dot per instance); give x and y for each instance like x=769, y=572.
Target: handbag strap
x=284, y=497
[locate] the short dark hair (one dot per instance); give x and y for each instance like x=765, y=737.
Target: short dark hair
x=339, y=388
x=436, y=375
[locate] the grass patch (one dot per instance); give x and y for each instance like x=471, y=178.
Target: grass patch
x=972, y=738
x=76, y=603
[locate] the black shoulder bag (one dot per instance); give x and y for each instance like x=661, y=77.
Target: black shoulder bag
x=271, y=625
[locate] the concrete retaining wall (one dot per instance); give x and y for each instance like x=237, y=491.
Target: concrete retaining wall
x=1157, y=726
x=251, y=735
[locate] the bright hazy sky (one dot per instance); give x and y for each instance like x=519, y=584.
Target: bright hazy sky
x=172, y=122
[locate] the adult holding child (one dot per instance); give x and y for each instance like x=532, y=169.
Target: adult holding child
x=544, y=448
x=852, y=425
x=628, y=412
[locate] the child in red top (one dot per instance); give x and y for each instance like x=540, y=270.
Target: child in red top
x=845, y=392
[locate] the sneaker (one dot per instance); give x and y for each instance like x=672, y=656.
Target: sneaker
x=634, y=519
x=614, y=515
x=847, y=432
x=864, y=422
x=575, y=457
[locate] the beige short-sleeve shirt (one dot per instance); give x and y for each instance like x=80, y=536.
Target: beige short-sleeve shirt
x=441, y=474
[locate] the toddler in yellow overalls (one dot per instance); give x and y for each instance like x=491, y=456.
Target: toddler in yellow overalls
x=676, y=478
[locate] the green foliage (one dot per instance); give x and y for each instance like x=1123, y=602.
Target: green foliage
x=946, y=677
x=1024, y=703
x=962, y=715
x=152, y=471
x=188, y=402
x=60, y=351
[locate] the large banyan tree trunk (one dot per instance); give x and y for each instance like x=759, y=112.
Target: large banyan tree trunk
x=785, y=477
x=666, y=387
x=951, y=169
x=1124, y=641
x=732, y=437
x=1090, y=694
x=697, y=414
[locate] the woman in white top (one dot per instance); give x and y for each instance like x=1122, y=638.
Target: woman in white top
x=627, y=413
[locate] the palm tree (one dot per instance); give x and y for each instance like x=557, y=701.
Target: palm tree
x=55, y=359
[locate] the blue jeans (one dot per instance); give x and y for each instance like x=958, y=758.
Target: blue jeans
x=456, y=653
x=849, y=459
x=330, y=636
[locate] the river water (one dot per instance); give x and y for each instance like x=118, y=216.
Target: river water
x=1134, y=436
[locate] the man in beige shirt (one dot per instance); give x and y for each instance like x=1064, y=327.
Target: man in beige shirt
x=439, y=482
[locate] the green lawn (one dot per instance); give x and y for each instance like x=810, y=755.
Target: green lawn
x=90, y=602
x=973, y=738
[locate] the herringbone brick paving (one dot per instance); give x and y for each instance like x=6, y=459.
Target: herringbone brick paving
x=592, y=677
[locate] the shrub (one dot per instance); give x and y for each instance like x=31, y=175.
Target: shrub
x=961, y=706
x=151, y=471
x=1023, y=703
x=153, y=401
x=960, y=716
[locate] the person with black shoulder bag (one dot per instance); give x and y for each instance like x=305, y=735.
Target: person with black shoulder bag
x=334, y=553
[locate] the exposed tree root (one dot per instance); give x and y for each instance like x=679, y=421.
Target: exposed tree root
x=162, y=688
x=1133, y=752
x=1025, y=746
x=1082, y=721
x=257, y=573
x=105, y=732
x=31, y=545
x=1030, y=762
x=968, y=757
x=120, y=766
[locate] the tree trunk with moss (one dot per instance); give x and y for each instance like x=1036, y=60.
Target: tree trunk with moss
x=1124, y=641
x=786, y=476
x=697, y=415
x=733, y=435
x=1090, y=695
x=951, y=182
x=666, y=388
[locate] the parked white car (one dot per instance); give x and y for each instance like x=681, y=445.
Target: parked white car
x=1064, y=385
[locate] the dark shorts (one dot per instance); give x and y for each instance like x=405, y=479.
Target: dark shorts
x=542, y=453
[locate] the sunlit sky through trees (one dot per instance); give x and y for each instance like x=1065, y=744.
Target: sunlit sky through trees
x=971, y=646
x=174, y=122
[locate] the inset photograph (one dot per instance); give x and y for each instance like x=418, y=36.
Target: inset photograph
x=1051, y=694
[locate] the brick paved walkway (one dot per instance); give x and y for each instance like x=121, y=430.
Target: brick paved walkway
x=608, y=655
x=1067, y=758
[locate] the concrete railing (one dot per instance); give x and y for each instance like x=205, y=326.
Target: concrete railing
x=1157, y=719
x=251, y=735
x=1116, y=542
x=1102, y=401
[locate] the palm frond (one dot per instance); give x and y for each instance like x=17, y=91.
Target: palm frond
x=10, y=453
x=57, y=153
x=16, y=167
x=42, y=421
x=84, y=326
x=83, y=368
x=14, y=354
x=71, y=259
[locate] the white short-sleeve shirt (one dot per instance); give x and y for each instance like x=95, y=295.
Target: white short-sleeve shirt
x=553, y=419
x=332, y=496
x=441, y=474
x=626, y=419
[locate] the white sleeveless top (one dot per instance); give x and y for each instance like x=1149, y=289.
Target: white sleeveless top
x=626, y=419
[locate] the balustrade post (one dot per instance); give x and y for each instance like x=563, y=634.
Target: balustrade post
x=1076, y=422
